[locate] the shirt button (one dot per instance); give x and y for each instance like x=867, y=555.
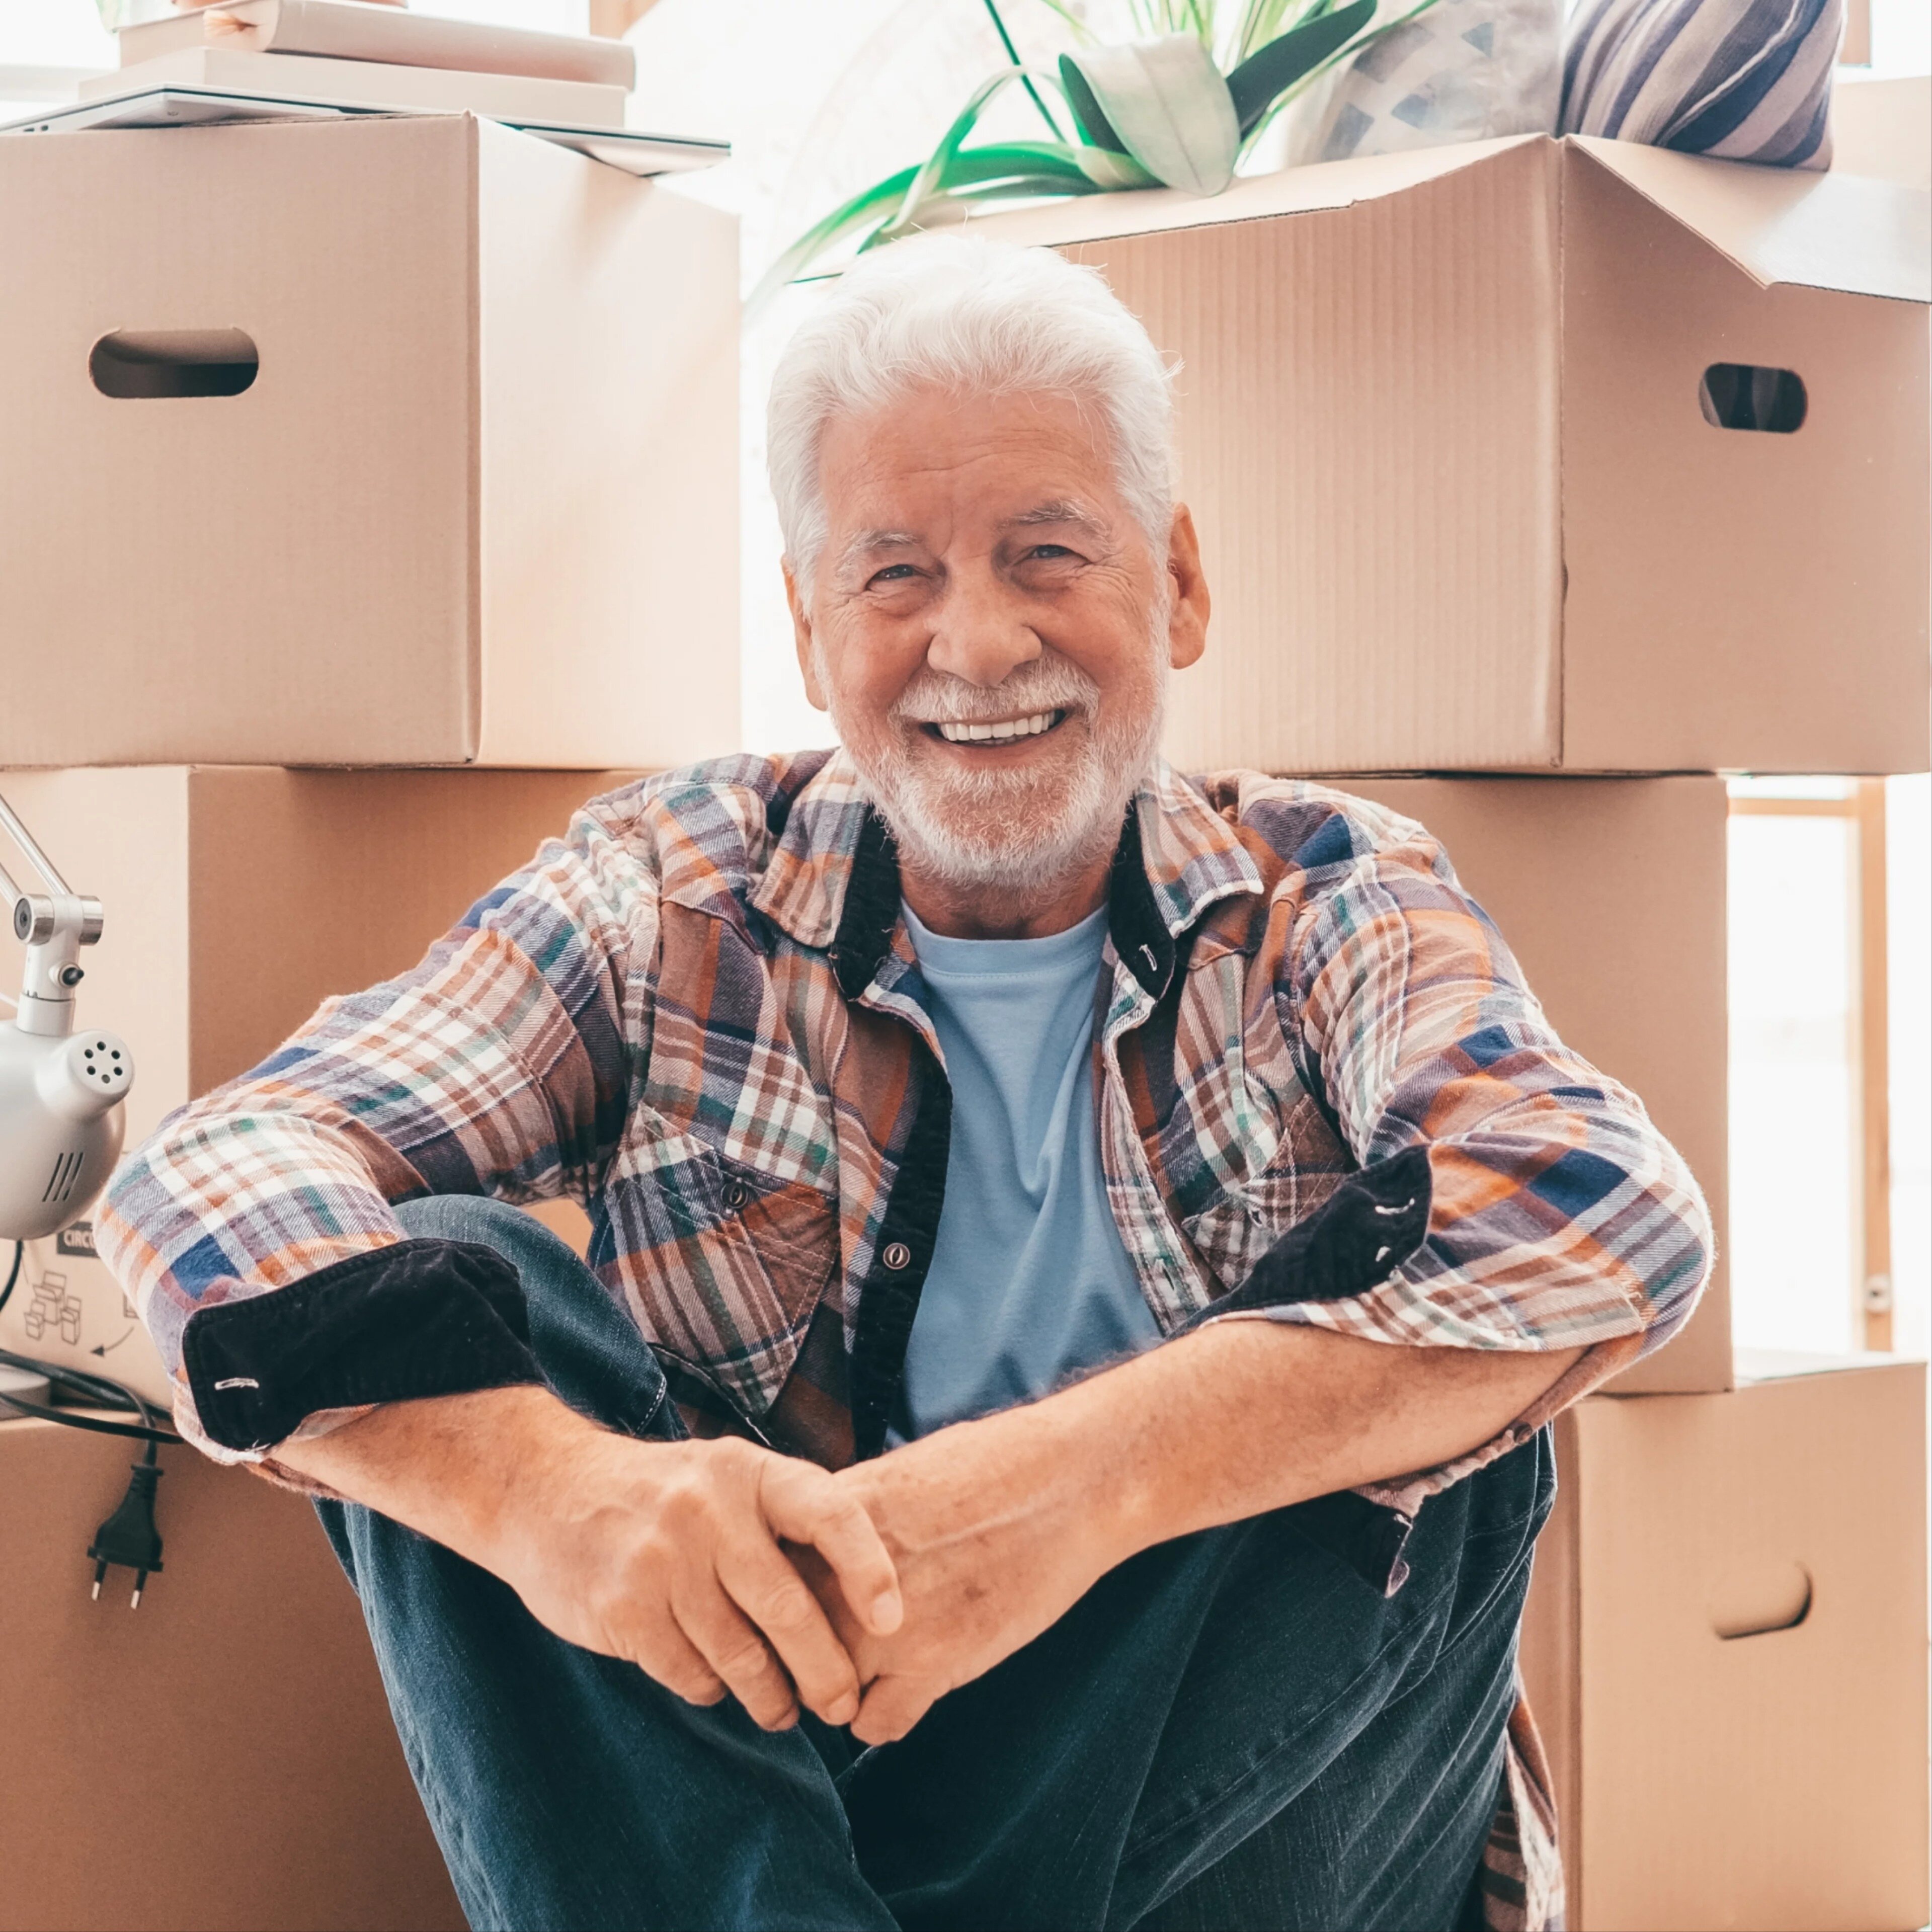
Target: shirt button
x=736, y=1194
x=897, y=1256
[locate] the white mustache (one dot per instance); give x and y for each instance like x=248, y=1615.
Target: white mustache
x=1046, y=684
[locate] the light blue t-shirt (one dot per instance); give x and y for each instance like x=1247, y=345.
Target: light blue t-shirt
x=1029, y=1279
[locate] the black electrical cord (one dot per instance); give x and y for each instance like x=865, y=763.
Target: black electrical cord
x=98, y=1392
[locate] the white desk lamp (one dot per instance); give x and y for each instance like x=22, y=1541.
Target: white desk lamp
x=60, y=1091
x=60, y=1130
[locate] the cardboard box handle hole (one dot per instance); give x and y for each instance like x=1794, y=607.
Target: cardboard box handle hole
x=1768, y=1597
x=1740, y=395
x=139, y=363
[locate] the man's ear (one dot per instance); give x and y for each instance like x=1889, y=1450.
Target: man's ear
x=1187, y=617
x=801, y=632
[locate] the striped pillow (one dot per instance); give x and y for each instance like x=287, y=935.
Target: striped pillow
x=1747, y=80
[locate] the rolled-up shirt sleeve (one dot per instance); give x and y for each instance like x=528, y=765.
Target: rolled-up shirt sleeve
x=1510, y=1196
x=502, y=1064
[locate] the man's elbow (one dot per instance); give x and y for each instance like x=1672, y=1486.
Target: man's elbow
x=1677, y=1266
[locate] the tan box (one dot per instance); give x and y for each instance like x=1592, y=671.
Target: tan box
x=236, y=899
x=1610, y=892
x=1725, y=1648
x=1442, y=430
x=222, y=1757
x=249, y=895
x=478, y=503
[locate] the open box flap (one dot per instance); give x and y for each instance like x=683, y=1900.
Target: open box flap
x=1845, y=233
x=1324, y=185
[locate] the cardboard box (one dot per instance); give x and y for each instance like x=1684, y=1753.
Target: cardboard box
x=1461, y=508
x=249, y=895
x=223, y=1756
x=1610, y=892
x=476, y=503
x=1725, y=1648
x=236, y=899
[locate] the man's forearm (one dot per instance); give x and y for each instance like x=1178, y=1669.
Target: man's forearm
x=997, y=1526
x=453, y=1467
x=1250, y=1415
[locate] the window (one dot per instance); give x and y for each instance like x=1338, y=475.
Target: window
x=1831, y=1187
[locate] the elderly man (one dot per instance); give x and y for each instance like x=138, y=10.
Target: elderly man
x=1049, y=1432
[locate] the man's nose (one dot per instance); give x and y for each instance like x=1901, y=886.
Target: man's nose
x=982, y=635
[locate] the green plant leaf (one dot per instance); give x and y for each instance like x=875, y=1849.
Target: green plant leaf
x=872, y=204
x=1351, y=51
x=1105, y=169
x=1162, y=102
x=1013, y=54
x=1259, y=81
x=931, y=179
x=1091, y=117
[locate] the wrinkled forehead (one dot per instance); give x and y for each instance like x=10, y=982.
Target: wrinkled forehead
x=933, y=465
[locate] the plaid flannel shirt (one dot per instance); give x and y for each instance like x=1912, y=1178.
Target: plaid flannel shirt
x=1325, y=1096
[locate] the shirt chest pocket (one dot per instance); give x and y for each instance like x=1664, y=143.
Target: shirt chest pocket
x=1232, y=1233
x=1246, y=1218
x=722, y=1265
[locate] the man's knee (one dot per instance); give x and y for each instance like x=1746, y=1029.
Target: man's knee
x=521, y=1239
x=588, y=1348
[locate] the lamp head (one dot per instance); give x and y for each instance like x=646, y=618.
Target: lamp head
x=60, y=1123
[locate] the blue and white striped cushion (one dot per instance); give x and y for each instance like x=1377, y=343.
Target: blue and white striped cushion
x=1747, y=80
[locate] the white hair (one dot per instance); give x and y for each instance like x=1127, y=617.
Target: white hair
x=955, y=312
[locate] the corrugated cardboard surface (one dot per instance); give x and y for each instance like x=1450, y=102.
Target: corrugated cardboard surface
x=479, y=503
x=236, y=899
x=1368, y=439
x=1416, y=391
x=343, y=878
x=1735, y=598
x=609, y=421
x=1610, y=892
x=1764, y=1781
x=222, y=1757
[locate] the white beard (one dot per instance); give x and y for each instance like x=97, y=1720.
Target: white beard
x=1020, y=832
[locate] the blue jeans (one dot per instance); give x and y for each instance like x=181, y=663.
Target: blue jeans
x=1232, y=1730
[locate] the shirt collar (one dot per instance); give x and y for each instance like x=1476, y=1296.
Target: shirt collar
x=833, y=882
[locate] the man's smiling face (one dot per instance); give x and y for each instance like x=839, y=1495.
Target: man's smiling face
x=991, y=629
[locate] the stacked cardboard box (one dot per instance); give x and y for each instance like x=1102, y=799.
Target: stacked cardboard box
x=222, y=1757
x=1588, y=464
x=433, y=460
x=366, y=445
x=1725, y=1649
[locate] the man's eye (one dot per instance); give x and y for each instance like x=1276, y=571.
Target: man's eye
x=893, y=573
x=1053, y=552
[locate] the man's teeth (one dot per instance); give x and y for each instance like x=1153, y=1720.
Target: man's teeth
x=1002, y=734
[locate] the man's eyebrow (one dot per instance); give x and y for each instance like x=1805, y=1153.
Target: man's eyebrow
x=866, y=543
x=1060, y=512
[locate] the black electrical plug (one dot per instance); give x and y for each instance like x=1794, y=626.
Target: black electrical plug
x=129, y=1537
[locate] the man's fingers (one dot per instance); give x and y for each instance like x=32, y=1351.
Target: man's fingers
x=731, y=1646
x=675, y=1663
x=771, y=1593
x=892, y=1706
x=803, y=1505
